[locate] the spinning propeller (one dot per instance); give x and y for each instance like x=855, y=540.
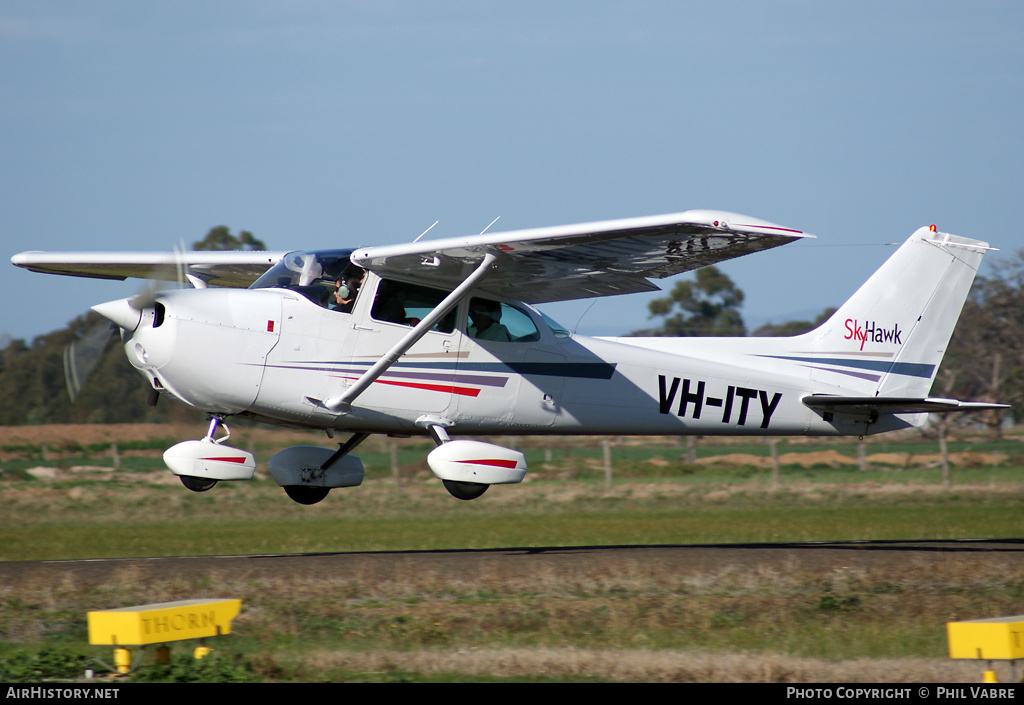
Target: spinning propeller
x=82, y=355
x=84, y=352
x=146, y=297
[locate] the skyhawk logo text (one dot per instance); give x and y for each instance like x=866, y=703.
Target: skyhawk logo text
x=870, y=330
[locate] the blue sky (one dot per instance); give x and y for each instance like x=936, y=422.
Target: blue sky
x=136, y=126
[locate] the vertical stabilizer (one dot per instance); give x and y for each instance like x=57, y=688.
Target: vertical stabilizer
x=889, y=338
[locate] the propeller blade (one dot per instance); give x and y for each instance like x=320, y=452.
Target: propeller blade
x=178, y=272
x=145, y=297
x=83, y=354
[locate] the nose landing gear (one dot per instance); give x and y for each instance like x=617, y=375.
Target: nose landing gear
x=200, y=465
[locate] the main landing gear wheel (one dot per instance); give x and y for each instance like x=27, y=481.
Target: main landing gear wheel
x=306, y=495
x=464, y=490
x=197, y=484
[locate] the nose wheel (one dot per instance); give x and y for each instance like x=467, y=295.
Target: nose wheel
x=197, y=484
x=464, y=490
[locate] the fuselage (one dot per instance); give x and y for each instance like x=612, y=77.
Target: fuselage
x=276, y=353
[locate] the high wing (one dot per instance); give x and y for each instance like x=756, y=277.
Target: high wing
x=536, y=265
x=234, y=268
x=581, y=261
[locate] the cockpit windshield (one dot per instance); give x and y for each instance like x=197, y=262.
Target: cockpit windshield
x=558, y=329
x=311, y=273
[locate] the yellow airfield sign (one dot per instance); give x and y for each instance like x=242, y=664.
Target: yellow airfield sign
x=162, y=622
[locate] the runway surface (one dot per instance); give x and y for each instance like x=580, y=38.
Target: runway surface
x=512, y=562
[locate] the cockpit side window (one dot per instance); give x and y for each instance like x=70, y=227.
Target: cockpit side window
x=408, y=304
x=500, y=322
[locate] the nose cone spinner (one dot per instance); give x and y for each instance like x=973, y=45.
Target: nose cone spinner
x=120, y=312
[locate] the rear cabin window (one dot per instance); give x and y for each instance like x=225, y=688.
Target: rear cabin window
x=408, y=304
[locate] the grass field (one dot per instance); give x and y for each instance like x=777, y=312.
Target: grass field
x=618, y=625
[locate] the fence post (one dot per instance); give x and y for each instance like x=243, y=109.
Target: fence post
x=606, y=447
x=773, y=447
x=396, y=471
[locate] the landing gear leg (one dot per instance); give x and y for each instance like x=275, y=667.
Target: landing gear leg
x=344, y=449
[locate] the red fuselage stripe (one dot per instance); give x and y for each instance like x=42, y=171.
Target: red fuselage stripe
x=448, y=388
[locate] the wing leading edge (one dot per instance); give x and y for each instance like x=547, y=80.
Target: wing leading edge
x=581, y=261
x=235, y=268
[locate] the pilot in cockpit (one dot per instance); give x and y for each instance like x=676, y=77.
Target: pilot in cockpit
x=348, y=286
x=485, y=321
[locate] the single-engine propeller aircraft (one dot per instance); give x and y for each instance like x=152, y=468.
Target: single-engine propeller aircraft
x=442, y=338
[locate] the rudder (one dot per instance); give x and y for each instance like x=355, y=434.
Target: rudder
x=890, y=336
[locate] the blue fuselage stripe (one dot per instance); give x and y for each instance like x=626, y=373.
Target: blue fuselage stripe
x=911, y=369
x=580, y=370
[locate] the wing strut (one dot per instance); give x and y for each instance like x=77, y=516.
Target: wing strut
x=342, y=403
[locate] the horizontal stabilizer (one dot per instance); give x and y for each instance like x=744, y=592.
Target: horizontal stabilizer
x=894, y=405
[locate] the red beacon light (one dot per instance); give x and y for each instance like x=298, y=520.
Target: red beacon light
x=932, y=227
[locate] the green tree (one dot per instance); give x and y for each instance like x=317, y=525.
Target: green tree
x=707, y=305
x=33, y=385
x=220, y=238
x=783, y=330
x=985, y=357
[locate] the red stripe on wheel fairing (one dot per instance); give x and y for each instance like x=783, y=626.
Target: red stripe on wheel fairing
x=494, y=462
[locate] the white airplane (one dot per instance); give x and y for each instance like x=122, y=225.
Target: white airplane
x=442, y=338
